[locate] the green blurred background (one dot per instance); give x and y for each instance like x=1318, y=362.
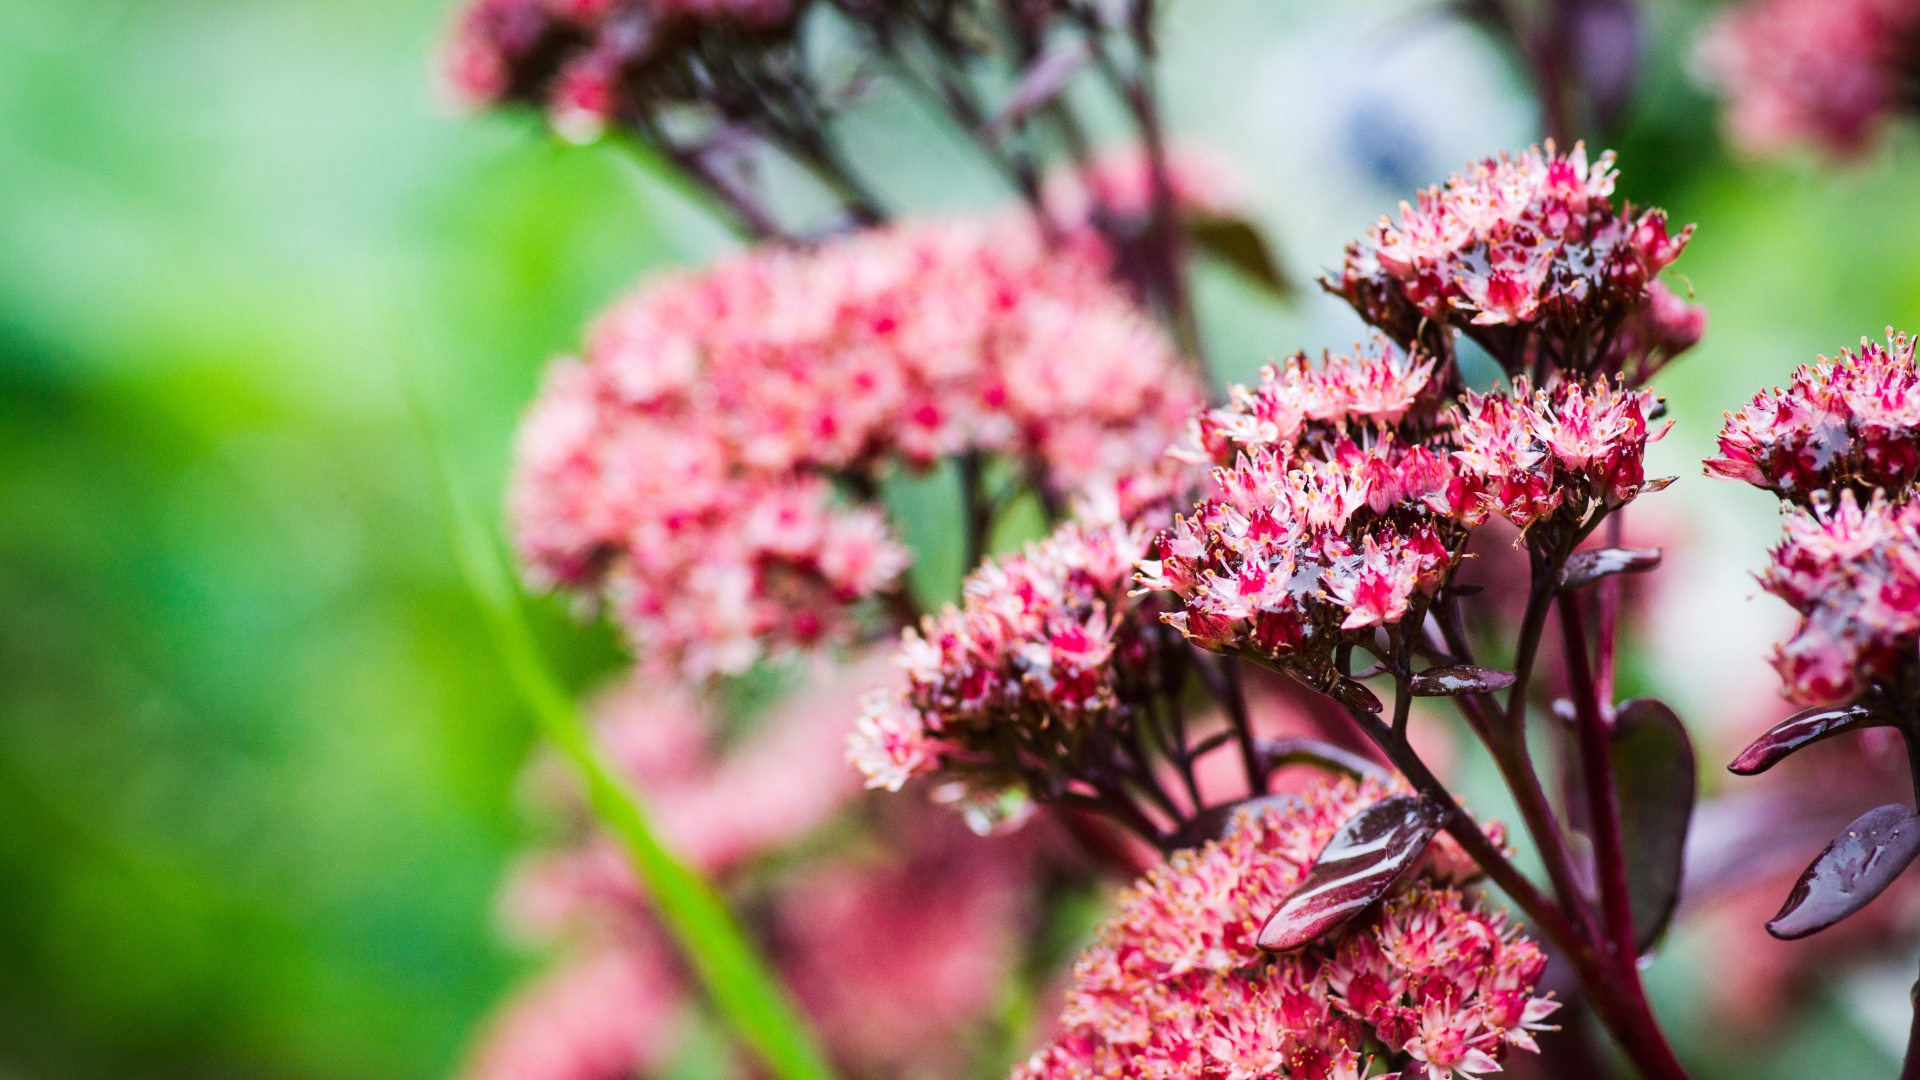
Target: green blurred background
x=257, y=762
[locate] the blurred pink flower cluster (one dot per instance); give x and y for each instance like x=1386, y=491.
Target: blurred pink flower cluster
x=1174, y=984
x=1351, y=491
x=1037, y=649
x=896, y=945
x=1848, y=422
x=1118, y=183
x=570, y=56
x=686, y=470
x=1530, y=242
x=1826, y=72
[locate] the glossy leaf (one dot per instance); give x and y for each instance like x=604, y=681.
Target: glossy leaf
x=1586, y=567
x=1454, y=680
x=1238, y=243
x=1352, y=694
x=1860, y=863
x=1654, y=779
x=1802, y=729
x=1372, y=851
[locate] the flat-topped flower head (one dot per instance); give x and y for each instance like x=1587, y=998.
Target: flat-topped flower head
x=1567, y=453
x=1853, y=574
x=1015, y=678
x=1853, y=422
x=693, y=472
x=1527, y=255
x=1175, y=985
x=1825, y=72
x=1357, y=395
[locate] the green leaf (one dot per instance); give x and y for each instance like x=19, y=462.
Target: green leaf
x=736, y=979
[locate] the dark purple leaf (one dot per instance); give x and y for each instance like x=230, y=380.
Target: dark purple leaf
x=1372, y=851
x=1352, y=694
x=1238, y=243
x=1216, y=821
x=1654, y=777
x=1586, y=567
x=1802, y=729
x=1861, y=862
x=1456, y=679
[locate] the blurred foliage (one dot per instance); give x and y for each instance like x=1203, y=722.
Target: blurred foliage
x=257, y=759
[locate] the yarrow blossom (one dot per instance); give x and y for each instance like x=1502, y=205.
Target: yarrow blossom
x=1174, y=984
x=694, y=471
x=1847, y=423
x=1828, y=72
x=1527, y=255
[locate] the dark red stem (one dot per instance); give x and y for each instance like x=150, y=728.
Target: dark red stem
x=1594, y=735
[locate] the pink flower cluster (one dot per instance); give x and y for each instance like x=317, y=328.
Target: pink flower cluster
x=1853, y=574
x=1850, y=422
x=1827, y=72
x=1175, y=986
x=1522, y=243
x=1037, y=651
x=684, y=470
x=572, y=56
x=1350, y=493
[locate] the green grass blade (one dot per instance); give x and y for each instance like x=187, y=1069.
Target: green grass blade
x=736, y=979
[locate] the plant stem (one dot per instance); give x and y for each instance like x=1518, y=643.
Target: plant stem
x=977, y=510
x=1615, y=992
x=1232, y=694
x=1596, y=763
x=1607, y=630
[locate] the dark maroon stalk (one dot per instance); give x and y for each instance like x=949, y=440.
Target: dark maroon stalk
x=1227, y=687
x=1596, y=763
x=1609, y=852
x=1616, y=994
x=975, y=508
x=1606, y=633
